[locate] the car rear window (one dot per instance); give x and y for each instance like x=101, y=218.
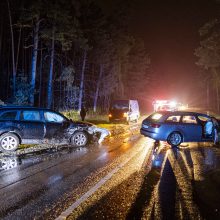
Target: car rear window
x=9, y=115
x=120, y=105
x=30, y=115
x=155, y=116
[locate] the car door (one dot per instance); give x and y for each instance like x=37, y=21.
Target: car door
x=31, y=124
x=55, y=124
x=192, y=130
x=8, y=118
x=170, y=125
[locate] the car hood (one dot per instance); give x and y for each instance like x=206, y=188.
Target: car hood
x=81, y=124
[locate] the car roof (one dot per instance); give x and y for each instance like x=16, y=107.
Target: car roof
x=7, y=107
x=182, y=113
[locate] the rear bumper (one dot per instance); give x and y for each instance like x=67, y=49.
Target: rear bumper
x=118, y=119
x=149, y=134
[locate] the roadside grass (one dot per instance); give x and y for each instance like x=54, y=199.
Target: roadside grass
x=97, y=118
x=25, y=146
x=72, y=114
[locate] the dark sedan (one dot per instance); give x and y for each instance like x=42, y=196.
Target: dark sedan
x=28, y=125
x=179, y=126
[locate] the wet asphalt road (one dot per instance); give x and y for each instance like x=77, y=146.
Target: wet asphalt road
x=127, y=177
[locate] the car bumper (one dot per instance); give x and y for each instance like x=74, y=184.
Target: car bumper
x=149, y=134
x=123, y=119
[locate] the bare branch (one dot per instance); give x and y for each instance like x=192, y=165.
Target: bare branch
x=26, y=47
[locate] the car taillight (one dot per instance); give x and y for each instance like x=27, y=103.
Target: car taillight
x=155, y=125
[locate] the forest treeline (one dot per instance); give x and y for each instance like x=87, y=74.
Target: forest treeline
x=65, y=54
x=208, y=54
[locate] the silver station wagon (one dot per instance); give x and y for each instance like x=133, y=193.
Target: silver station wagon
x=179, y=126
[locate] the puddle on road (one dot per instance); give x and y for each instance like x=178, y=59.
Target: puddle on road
x=8, y=162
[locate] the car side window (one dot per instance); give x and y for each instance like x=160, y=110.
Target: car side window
x=30, y=115
x=9, y=115
x=173, y=118
x=189, y=119
x=53, y=117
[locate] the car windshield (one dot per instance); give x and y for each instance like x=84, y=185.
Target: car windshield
x=120, y=105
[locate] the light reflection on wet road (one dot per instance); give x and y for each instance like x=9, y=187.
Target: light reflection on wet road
x=157, y=182
x=166, y=192
x=172, y=197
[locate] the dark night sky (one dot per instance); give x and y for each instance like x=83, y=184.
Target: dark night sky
x=172, y=35
x=170, y=29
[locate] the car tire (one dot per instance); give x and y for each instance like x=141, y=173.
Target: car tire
x=174, y=139
x=9, y=142
x=79, y=139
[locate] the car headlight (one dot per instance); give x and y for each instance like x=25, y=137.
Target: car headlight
x=125, y=114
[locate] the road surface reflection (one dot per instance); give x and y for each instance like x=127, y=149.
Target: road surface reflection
x=179, y=168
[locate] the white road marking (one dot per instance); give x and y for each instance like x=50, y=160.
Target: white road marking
x=85, y=196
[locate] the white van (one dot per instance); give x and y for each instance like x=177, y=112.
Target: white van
x=124, y=110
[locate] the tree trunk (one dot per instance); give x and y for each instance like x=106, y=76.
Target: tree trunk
x=97, y=88
x=207, y=95
x=1, y=36
x=40, y=79
x=50, y=80
x=82, y=80
x=34, y=62
x=12, y=51
x=120, y=82
x=60, y=99
x=217, y=97
x=18, y=50
x=216, y=84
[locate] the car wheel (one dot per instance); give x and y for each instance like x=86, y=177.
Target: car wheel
x=9, y=142
x=174, y=139
x=79, y=139
x=8, y=163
